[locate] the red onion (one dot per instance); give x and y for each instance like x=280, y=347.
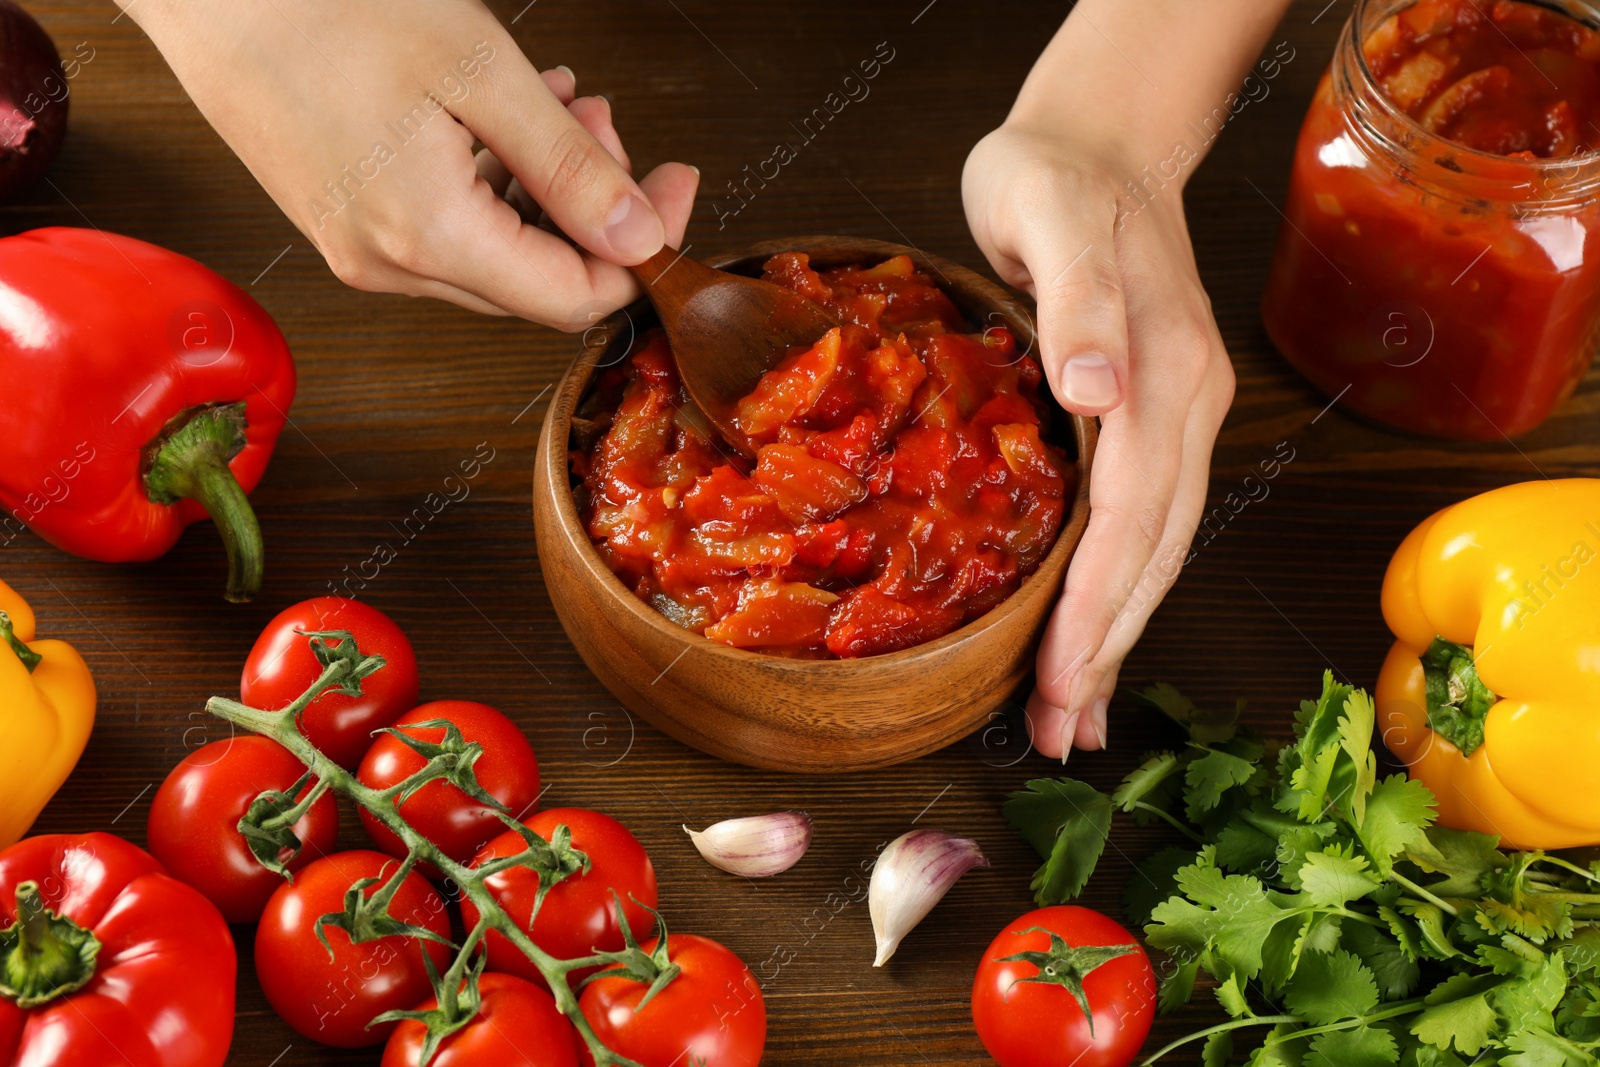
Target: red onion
x=33, y=100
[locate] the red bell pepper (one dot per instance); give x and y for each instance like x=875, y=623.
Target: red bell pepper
x=106, y=959
x=141, y=392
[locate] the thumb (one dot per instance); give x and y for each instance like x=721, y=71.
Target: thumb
x=583, y=189
x=1083, y=322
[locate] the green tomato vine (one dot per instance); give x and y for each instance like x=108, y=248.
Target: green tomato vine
x=268, y=829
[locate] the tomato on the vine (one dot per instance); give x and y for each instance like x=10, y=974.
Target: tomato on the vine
x=459, y=825
x=1064, y=985
x=517, y=1025
x=712, y=1013
x=194, y=822
x=281, y=666
x=579, y=914
x=332, y=1000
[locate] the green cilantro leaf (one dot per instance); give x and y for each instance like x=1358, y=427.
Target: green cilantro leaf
x=1537, y=918
x=1330, y=987
x=1529, y=1002
x=1321, y=934
x=1144, y=780
x=1153, y=881
x=1208, y=777
x=1542, y=1048
x=1429, y=918
x=1243, y=848
x=1582, y=951
x=1218, y=1050
x=1399, y=811
x=1177, y=986
x=1406, y=934
x=1364, y=1046
x=1280, y=954
x=1397, y=973
x=1067, y=822
x=1463, y=856
x=1232, y=998
x=1294, y=845
x=1228, y=914
x=1355, y=738
x=1333, y=878
x=1458, y=1014
x=1308, y=765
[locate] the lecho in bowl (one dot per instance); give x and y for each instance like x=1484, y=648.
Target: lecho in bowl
x=874, y=584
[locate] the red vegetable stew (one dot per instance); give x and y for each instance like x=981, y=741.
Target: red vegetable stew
x=904, y=482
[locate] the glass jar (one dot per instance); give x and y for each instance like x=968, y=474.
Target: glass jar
x=1426, y=285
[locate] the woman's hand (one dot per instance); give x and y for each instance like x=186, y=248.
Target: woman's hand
x=1124, y=332
x=1078, y=199
x=359, y=120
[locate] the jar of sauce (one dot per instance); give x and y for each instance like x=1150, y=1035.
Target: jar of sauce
x=1438, y=270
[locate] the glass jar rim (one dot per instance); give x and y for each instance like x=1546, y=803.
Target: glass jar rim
x=1353, y=37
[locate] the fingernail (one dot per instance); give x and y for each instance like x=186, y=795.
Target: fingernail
x=694, y=168
x=574, y=77
x=1089, y=380
x=633, y=230
x=1097, y=719
x=1068, y=728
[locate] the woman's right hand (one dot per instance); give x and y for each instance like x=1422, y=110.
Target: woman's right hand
x=359, y=121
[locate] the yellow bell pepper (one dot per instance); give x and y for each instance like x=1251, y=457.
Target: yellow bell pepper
x=46, y=711
x=1491, y=692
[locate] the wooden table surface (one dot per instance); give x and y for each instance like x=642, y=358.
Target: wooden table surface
x=395, y=392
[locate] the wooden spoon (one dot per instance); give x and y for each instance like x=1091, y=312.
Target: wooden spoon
x=726, y=331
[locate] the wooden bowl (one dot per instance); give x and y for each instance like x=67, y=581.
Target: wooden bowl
x=814, y=716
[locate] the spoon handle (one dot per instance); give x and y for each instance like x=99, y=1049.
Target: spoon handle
x=670, y=276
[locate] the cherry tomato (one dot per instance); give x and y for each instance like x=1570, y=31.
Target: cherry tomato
x=579, y=914
x=443, y=814
x=712, y=1013
x=1024, y=1023
x=194, y=822
x=281, y=666
x=517, y=1025
x=332, y=1001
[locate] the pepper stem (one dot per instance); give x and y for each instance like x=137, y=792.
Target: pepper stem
x=1458, y=701
x=43, y=955
x=190, y=460
x=30, y=659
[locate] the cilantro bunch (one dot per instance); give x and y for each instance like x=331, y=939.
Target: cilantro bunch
x=1328, y=908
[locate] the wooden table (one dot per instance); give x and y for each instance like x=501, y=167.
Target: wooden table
x=394, y=392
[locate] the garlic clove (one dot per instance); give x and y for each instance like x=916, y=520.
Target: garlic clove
x=757, y=846
x=913, y=872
